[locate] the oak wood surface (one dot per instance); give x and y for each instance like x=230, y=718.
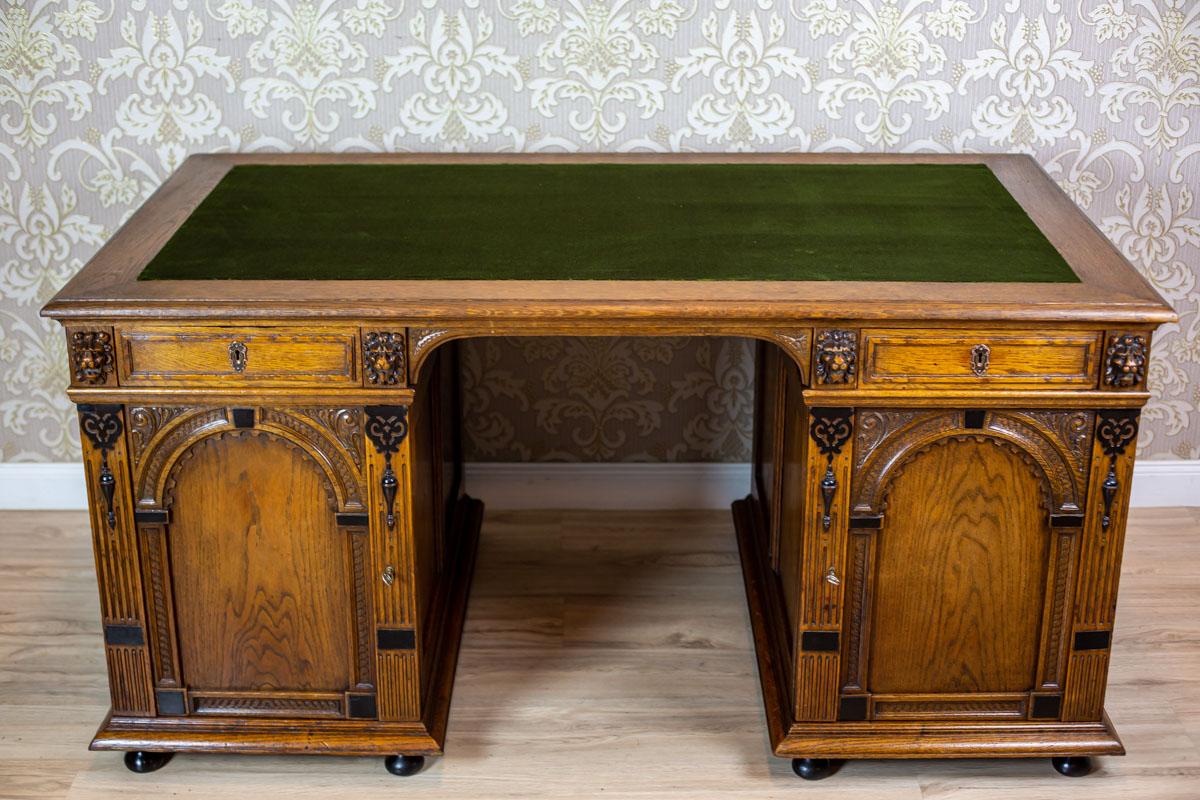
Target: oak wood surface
x=261, y=573
x=601, y=650
x=956, y=606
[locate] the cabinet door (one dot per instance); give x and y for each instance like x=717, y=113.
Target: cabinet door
x=963, y=547
x=254, y=582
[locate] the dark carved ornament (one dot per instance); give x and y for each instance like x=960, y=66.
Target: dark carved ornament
x=837, y=356
x=1115, y=430
x=92, y=356
x=101, y=424
x=830, y=428
x=1125, y=361
x=383, y=358
x=386, y=428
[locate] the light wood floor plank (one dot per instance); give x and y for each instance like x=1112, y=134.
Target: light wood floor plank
x=605, y=655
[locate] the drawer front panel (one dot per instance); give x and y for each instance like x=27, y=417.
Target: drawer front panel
x=980, y=358
x=260, y=356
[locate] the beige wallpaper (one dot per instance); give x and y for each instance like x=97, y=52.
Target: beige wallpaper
x=100, y=101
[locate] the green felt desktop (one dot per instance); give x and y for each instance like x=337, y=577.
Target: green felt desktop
x=723, y=222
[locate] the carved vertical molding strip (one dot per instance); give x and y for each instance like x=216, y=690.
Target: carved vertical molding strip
x=1100, y=561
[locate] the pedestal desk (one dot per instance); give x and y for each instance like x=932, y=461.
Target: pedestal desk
x=950, y=365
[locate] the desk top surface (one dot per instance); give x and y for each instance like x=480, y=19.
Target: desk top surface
x=701, y=236
x=668, y=222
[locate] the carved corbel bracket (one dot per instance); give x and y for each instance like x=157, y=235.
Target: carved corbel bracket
x=101, y=424
x=386, y=428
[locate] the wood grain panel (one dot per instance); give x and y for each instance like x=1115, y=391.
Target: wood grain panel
x=959, y=571
x=1013, y=358
x=172, y=355
x=260, y=568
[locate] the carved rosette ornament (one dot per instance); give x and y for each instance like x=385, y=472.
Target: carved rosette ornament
x=830, y=429
x=386, y=428
x=1125, y=361
x=383, y=358
x=836, y=356
x=1115, y=430
x=91, y=356
x=101, y=424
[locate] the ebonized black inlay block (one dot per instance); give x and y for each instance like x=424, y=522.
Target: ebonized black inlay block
x=1093, y=640
x=396, y=639
x=242, y=417
x=170, y=703
x=1046, y=706
x=819, y=641
x=853, y=709
x=130, y=635
x=362, y=706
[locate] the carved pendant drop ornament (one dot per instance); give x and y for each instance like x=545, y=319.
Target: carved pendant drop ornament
x=386, y=428
x=830, y=429
x=1115, y=430
x=101, y=424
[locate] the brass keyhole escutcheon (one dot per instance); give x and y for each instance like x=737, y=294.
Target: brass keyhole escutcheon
x=981, y=356
x=832, y=577
x=237, y=356
x=389, y=575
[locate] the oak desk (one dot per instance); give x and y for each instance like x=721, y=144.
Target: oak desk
x=950, y=367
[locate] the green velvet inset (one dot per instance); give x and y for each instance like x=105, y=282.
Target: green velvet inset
x=886, y=222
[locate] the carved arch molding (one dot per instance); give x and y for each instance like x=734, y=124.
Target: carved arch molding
x=1056, y=445
x=331, y=437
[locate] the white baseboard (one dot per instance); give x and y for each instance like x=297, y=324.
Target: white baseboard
x=25, y=485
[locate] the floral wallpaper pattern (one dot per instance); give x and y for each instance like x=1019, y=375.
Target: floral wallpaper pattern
x=100, y=101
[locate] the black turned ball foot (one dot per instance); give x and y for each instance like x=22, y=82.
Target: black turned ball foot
x=814, y=769
x=1072, y=766
x=143, y=761
x=404, y=765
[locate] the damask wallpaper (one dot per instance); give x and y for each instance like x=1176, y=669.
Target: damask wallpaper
x=100, y=100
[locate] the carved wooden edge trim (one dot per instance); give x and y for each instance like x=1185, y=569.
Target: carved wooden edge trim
x=1060, y=594
x=385, y=358
x=793, y=341
x=835, y=357
x=858, y=612
x=268, y=704
x=161, y=614
x=889, y=439
x=364, y=652
x=93, y=356
x=329, y=435
x=1126, y=356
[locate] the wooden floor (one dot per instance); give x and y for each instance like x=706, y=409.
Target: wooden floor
x=606, y=655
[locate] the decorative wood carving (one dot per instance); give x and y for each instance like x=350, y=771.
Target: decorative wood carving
x=386, y=428
x=1062, y=581
x=162, y=449
x=263, y=705
x=384, y=358
x=421, y=342
x=796, y=345
x=1009, y=708
x=1050, y=440
x=1125, y=361
x=856, y=622
x=92, y=356
x=831, y=428
x=329, y=436
x=836, y=356
x=145, y=422
x=161, y=618
x=101, y=424
x=365, y=666
x=1115, y=430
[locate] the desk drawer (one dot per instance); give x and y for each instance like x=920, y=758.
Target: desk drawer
x=988, y=357
x=165, y=355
